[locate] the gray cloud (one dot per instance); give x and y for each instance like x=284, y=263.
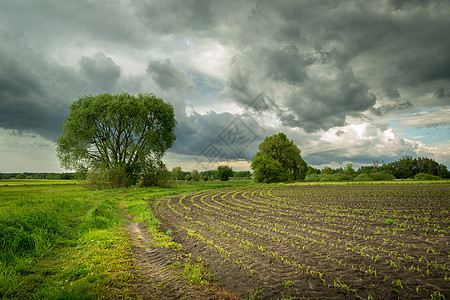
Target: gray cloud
x=167, y=77
x=383, y=110
x=322, y=104
x=319, y=62
x=442, y=93
x=101, y=71
x=33, y=91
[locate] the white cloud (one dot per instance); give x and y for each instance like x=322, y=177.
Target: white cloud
x=362, y=142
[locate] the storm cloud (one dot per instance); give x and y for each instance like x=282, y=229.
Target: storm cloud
x=313, y=67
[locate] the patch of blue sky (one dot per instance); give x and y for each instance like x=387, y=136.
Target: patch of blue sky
x=431, y=136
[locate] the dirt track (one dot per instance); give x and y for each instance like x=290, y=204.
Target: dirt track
x=154, y=280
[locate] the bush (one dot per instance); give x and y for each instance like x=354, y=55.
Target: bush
x=21, y=176
x=224, y=172
x=155, y=175
x=107, y=178
x=327, y=177
x=382, y=176
x=312, y=178
x=425, y=176
x=364, y=177
x=267, y=170
x=345, y=177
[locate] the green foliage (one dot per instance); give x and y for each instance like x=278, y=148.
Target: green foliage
x=195, y=273
x=349, y=170
x=283, y=155
x=424, y=176
x=364, y=177
x=59, y=244
x=119, y=132
x=195, y=175
x=177, y=173
x=389, y=222
x=21, y=176
x=155, y=174
x=382, y=176
x=267, y=170
x=107, y=178
x=242, y=175
x=408, y=167
x=224, y=173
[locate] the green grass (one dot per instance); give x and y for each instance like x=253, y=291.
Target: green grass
x=58, y=241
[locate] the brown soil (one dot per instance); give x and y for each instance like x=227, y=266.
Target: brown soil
x=154, y=278
x=318, y=242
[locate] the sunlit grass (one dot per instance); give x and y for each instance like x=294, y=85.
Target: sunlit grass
x=58, y=241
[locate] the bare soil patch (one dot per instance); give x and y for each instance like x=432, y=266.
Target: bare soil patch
x=154, y=278
x=319, y=242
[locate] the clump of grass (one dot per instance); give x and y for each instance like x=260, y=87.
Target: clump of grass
x=195, y=273
x=389, y=222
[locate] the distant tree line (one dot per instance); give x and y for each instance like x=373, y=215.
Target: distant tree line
x=33, y=175
x=223, y=173
x=407, y=167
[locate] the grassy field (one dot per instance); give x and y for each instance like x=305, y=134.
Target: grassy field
x=59, y=241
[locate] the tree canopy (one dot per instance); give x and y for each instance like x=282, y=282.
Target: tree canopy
x=224, y=173
x=278, y=160
x=122, y=135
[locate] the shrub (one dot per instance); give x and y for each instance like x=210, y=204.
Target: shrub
x=425, y=176
x=364, y=177
x=107, y=178
x=389, y=222
x=312, y=178
x=382, y=176
x=155, y=175
x=224, y=172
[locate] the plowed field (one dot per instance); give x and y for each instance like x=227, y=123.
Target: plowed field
x=379, y=241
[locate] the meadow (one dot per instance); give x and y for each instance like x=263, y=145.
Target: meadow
x=60, y=241
x=227, y=239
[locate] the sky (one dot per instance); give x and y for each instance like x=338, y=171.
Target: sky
x=347, y=81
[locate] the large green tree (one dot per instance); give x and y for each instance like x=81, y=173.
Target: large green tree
x=121, y=137
x=278, y=160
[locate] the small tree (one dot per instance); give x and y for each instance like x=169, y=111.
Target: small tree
x=285, y=153
x=21, y=176
x=349, y=170
x=117, y=136
x=195, y=175
x=177, y=173
x=224, y=173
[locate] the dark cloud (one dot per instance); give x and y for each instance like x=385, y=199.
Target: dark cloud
x=176, y=16
x=167, y=77
x=322, y=104
x=337, y=65
x=286, y=64
x=310, y=64
x=33, y=91
x=100, y=71
x=442, y=93
x=385, y=109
